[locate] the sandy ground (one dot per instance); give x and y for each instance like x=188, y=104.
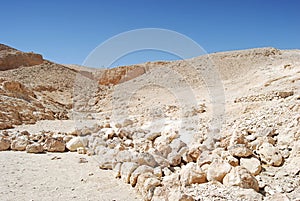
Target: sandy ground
x=58, y=176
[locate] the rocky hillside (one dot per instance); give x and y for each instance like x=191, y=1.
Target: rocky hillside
x=32, y=88
x=223, y=126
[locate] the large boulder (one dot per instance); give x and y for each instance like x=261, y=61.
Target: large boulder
x=217, y=170
x=251, y=164
x=34, y=148
x=240, y=150
x=55, y=145
x=76, y=142
x=19, y=144
x=192, y=174
x=4, y=144
x=241, y=177
x=126, y=170
x=138, y=171
x=270, y=154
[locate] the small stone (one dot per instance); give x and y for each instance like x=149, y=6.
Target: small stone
x=152, y=136
x=157, y=172
x=82, y=160
x=55, y=158
x=166, y=171
x=251, y=164
x=174, y=158
x=127, y=122
x=81, y=150
x=194, y=153
x=126, y=156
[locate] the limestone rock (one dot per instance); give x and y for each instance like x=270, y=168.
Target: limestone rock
x=118, y=75
x=270, y=154
x=217, y=170
x=240, y=150
x=177, y=145
x=194, y=153
x=141, y=180
x=55, y=145
x=138, y=171
x=161, y=144
x=106, y=157
x=240, y=176
x=192, y=174
x=152, y=136
x=251, y=164
x=81, y=150
x=174, y=159
x=126, y=156
x=163, y=162
x=34, y=148
x=127, y=122
x=126, y=170
x=229, y=158
x=149, y=187
x=146, y=159
x=4, y=144
x=117, y=170
x=19, y=144
x=75, y=143
x=15, y=59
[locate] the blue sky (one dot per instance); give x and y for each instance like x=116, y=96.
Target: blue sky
x=67, y=31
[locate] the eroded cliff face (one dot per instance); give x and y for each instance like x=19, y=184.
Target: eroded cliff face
x=11, y=58
x=121, y=74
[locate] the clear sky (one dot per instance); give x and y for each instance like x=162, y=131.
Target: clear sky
x=67, y=31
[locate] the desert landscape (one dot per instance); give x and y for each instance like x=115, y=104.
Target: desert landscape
x=222, y=126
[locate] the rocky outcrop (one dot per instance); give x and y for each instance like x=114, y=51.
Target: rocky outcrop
x=121, y=74
x=11, y=58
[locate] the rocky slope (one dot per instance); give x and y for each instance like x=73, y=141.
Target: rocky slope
x=223, y=126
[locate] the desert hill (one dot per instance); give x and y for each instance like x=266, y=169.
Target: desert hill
x=223, y=125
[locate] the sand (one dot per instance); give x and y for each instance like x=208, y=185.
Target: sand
x=58, y=176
